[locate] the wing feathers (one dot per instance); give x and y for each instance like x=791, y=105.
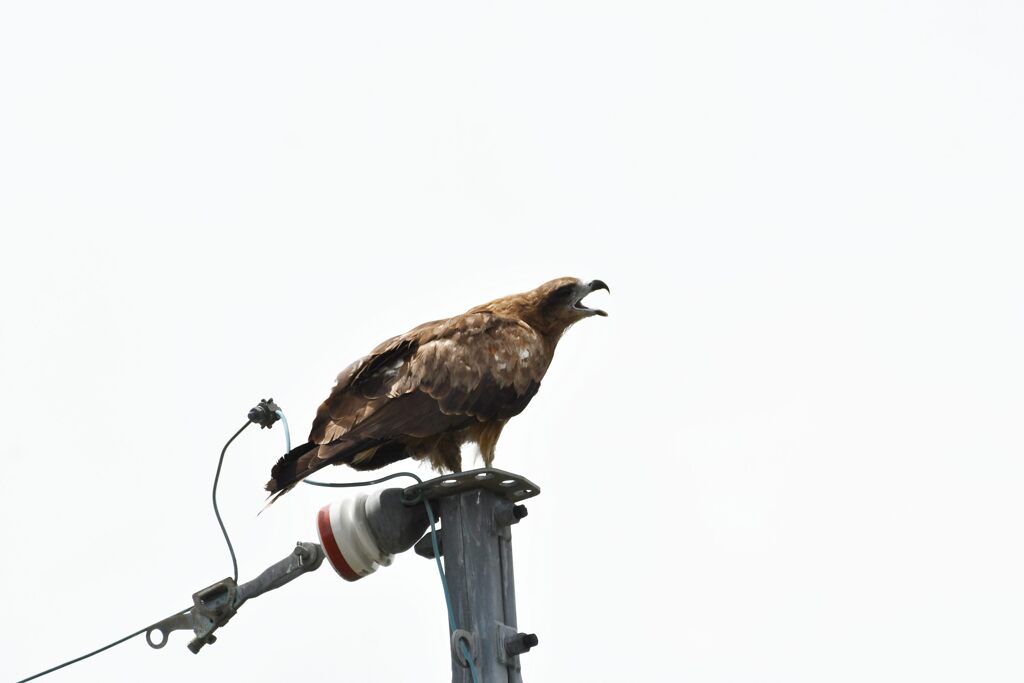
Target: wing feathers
x=439, y=377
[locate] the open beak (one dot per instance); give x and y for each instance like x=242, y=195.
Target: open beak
x=588, y=288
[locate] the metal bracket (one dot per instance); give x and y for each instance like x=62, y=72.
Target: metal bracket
x=510, y=486
x=212, y=607
x=179, y=622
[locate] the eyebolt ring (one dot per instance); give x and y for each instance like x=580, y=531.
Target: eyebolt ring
x=461, y=635
x=149, y=637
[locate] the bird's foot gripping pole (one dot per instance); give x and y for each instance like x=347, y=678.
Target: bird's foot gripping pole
x=213, y=606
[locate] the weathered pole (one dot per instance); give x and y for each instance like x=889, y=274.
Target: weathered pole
x=476, y=539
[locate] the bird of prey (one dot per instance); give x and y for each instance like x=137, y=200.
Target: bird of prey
x=444, y=383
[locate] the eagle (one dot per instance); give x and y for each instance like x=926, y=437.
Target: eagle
x=442, y=384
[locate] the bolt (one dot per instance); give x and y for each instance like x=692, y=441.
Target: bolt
x=506, y=515
x=425, y=547
x=521, y=643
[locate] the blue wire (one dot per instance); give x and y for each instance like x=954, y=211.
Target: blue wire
x=287, y=433
x=447, y=595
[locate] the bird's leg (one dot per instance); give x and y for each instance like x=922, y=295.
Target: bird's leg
x=488, y=440
x=448, y=455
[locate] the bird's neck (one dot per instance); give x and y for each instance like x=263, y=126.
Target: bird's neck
x=524, y=308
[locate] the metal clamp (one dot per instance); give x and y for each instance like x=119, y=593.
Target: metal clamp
x=213, y=606
x=265, y=413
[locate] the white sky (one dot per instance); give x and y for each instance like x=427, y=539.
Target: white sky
x=791, y=453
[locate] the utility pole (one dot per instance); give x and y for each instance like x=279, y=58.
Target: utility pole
x=478, y=509
x=360, y=534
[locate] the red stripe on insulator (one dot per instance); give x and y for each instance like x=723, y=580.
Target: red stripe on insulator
x=323, y=522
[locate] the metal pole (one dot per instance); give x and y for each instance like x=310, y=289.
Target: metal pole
x=478, y=509
x=477, y=548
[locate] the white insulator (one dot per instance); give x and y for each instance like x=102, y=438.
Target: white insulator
x=346, y=537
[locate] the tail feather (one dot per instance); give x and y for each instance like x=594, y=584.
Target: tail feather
x=301, y=461
x=284, y=474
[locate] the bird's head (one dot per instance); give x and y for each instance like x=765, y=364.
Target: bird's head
x=555, y=305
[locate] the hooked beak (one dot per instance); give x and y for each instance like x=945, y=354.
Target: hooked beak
x=590, y=287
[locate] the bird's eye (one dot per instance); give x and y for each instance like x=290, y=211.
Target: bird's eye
x=564, y=291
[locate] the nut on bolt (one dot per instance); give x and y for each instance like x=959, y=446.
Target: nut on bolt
x=521, y=643
x=507, y=515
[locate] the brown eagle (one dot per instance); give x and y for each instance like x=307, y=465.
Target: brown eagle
x=444, y=383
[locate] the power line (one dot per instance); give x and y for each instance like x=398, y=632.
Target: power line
x=94, y=652
x=272, y=409
x=216, y=510
x=234, y=565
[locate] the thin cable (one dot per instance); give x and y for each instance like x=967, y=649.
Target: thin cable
x=342, y=485
x=467, y=655
x=234, y=561
x=447, y=595
x=349, y=484
x=288, y=448
x=94, y=652
x=216, y=510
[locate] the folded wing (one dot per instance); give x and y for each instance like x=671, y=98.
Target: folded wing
x=440, y=377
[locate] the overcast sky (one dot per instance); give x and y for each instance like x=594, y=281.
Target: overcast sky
x=792, y=453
